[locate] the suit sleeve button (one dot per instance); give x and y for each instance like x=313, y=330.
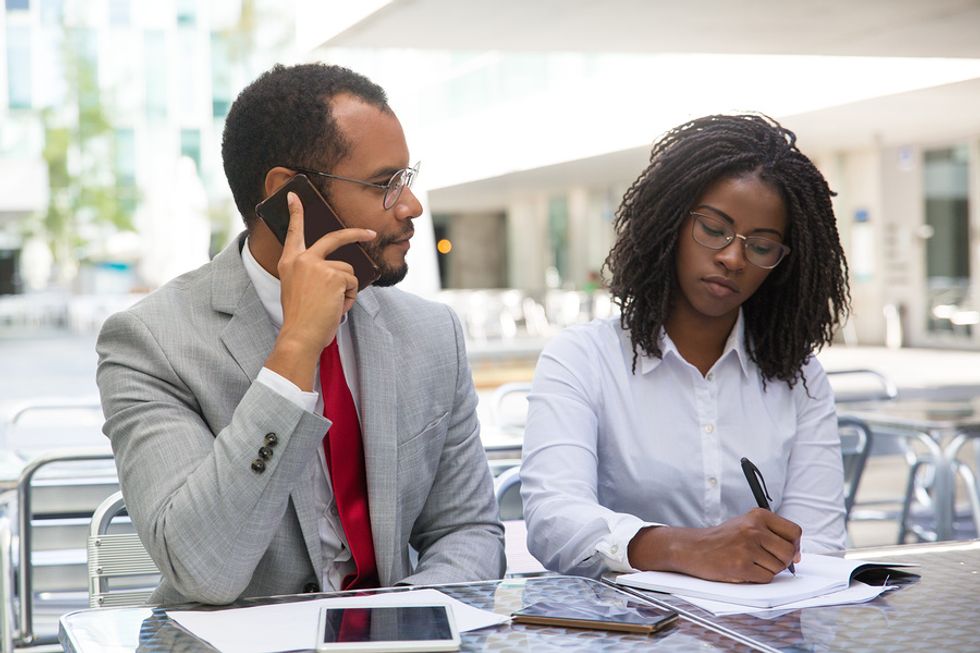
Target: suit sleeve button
x=265, y=453
x=311, y=588
x=258, y=465
x=271, y=439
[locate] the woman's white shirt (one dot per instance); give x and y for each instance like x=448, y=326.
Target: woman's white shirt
x=608, y=452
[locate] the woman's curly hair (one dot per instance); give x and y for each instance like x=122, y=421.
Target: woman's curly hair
x=798, y=307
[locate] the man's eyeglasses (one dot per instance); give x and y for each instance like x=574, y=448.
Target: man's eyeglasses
x=715, y=233
x=398, y=182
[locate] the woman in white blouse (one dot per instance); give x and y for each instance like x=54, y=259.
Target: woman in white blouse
x=730, y=273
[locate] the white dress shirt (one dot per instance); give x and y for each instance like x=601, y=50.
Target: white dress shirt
x=335, y=554
x=608, y=452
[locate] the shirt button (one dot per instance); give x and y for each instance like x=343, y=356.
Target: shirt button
x=710, y=376
x=712, y=481
x=614, y=549
x=333, y=510
x=709, y=428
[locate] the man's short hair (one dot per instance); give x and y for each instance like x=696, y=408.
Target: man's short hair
x=284, y=118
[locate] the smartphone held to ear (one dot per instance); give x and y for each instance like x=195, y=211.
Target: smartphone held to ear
x=319, y=219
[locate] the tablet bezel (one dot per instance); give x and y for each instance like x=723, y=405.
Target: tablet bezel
x=452, y=644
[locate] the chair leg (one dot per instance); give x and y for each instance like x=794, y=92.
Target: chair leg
x=970, y=481
x=903, y=519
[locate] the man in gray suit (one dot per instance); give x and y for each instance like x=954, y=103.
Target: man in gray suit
x=212, y=388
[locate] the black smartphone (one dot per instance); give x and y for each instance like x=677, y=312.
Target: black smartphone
x=318, y=219
x=631, y=618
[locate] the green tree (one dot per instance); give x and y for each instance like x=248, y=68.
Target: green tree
x=79, y=151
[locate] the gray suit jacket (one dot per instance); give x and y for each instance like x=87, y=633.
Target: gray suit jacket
x=186, y=419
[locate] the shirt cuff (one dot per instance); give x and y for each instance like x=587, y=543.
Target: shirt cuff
x=614, y=548
x=287, y=389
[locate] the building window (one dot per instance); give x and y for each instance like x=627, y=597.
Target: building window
x=18, y=67
x=125, y=160
x=52, y=12
x=190, y=145
x=119, y=13
x=221, y=86
x=947, y=213
x=558, y=239
x=186, y=13
x=155, y=67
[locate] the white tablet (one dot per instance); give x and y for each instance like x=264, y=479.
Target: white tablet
x=355, y=627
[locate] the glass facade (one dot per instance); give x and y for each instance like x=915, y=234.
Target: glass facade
x=18, y=66
x=155, y=71
x=947, y=219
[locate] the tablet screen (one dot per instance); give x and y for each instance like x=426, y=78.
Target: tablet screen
x=386, y=624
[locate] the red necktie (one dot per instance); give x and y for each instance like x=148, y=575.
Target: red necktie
x=345, y=462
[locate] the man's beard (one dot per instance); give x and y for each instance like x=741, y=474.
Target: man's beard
x=375, y=250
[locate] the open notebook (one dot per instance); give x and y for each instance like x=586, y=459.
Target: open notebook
x=816, y=575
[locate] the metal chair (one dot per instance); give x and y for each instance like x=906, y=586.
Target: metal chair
x=855, y=440
x=508, y=407
x=119, y=556
x=6, y=589
x=504, y=486
x=860, y=384
x=43, y=578
x=520, y=562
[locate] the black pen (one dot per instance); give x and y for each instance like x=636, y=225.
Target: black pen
x=760, y=492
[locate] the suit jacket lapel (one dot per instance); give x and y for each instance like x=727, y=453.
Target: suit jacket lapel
x=375, y=351
x=249, y=336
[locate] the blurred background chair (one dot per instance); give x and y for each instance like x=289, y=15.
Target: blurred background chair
x=55, y=468
x=520, y=562
x=508, y=407
x=915, y=450
x=120, y=571
x=856, y=441
x=860, y=384
x=49, y=511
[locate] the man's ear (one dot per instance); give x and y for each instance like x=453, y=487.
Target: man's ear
x=275, y=178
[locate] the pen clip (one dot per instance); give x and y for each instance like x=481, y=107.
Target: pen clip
x=758, y=474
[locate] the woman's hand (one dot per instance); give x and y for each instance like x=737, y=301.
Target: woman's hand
x=750, y=548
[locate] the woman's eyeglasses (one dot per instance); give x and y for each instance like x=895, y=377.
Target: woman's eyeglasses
x=715, y=233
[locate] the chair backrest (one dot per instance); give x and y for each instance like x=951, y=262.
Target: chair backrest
x=117, y=558
x=507, y=487
x=508, y=406
x=855, y=440
x=520, y=562
x=55, y=494
x=860, y=384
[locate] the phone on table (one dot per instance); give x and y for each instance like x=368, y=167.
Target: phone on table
x=356, y=627
x=631, y=618
x=318, y=219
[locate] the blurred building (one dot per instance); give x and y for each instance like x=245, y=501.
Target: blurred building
x=531, y=120
x=162, y=75
x=535, y=117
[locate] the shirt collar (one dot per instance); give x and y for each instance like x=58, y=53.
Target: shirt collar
x=267, y=287
x=735, y=343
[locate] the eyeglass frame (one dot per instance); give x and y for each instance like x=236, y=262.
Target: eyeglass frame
x=784, y=249
x=413, y=170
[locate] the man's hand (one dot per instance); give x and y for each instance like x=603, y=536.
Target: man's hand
x=315, y=294
x=750, y=548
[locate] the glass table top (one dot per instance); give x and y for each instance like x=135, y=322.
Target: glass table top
x=115, y=630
